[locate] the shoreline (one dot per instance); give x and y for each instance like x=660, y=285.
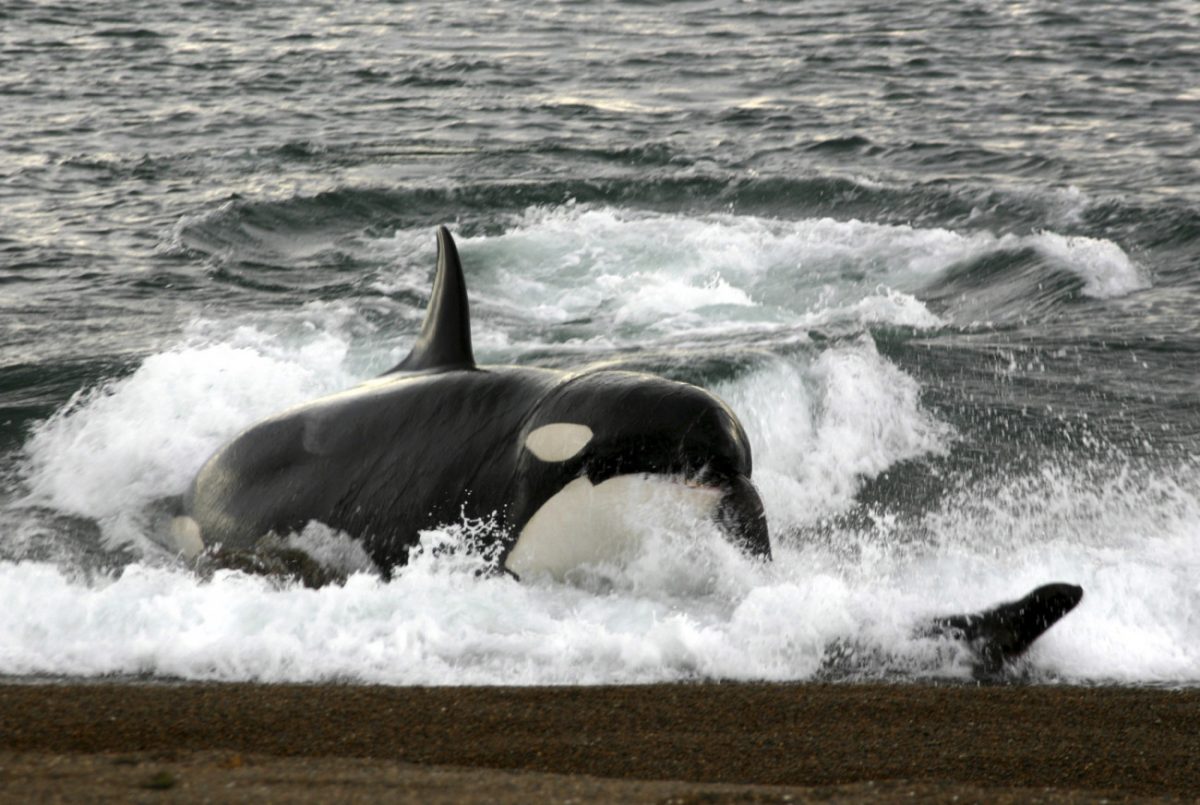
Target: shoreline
x=981, y=742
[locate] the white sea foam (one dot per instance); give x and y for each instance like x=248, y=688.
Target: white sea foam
x=639, y=274
x=1104, y=267
x=818, y=430
x=690, y=607
x=114, y=449
x=687, y=605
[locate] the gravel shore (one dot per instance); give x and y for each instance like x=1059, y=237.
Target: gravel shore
x=653, y=743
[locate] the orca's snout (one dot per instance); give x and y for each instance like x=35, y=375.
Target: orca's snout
x=740, y=515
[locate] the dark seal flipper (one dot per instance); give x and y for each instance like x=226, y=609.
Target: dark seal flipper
x=1001, y=634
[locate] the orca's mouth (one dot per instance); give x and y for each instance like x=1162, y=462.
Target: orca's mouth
x=584, y=523
x=739, y=512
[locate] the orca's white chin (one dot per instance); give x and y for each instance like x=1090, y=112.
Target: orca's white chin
x=587, y=524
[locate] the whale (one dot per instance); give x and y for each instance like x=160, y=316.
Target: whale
x=553, y=459
x=557, y=462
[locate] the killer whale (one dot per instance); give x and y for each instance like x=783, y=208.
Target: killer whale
x=551, y=455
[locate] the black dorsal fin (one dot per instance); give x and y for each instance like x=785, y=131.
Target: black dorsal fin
x=445, y=339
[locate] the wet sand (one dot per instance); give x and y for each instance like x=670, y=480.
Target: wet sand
x=655, y=743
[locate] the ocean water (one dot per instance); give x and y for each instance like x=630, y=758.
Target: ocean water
x=943, y=260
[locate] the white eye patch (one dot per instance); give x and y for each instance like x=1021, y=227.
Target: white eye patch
x=559, y=441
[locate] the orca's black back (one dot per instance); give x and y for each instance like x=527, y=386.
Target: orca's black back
x=381, y=462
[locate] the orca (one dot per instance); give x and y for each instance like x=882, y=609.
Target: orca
x=554, y=459
x=553, y=456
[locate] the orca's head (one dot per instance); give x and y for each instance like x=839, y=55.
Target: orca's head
x=599, y=439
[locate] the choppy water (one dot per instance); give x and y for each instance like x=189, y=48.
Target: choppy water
x=940, y=258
